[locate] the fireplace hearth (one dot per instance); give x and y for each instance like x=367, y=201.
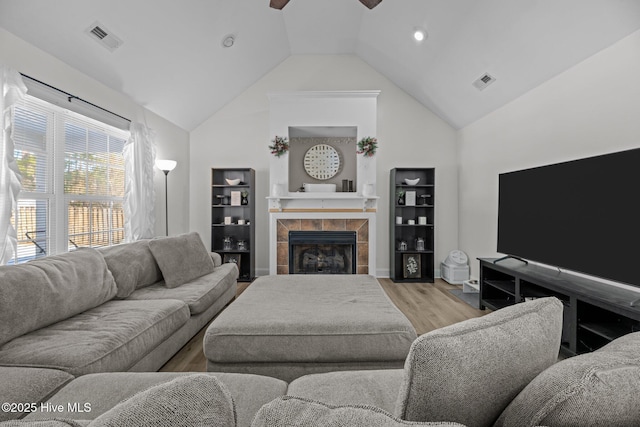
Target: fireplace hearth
x=322, y=252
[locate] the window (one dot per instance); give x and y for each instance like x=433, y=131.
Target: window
x=73, y=180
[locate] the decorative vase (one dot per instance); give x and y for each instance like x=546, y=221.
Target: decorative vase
x=400, y=200
x=244, y=200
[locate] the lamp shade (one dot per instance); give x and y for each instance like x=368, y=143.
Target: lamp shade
x=166, y=165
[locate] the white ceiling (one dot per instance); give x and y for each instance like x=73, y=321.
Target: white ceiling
x=172, y=60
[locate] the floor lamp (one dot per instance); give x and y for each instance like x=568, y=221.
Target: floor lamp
x=166, y=166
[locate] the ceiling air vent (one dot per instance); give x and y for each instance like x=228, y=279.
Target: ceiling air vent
x=484, y=81
x=102, y=35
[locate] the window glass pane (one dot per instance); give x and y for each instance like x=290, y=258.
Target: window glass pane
x=31, y=227
x=116, y=182
x=94, y=164
x=75, y=140
x=116, y=148
x=95, y=224
x=117, y=223
x=30, y=139
x=30, y=129
x=33, y=169
x=98, y=179
x=79, y=217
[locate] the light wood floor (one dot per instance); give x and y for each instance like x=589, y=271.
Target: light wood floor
x=428, y=306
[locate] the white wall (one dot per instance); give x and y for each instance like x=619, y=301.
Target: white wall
x=172, y=141
x=410, y=136
x=591, y=109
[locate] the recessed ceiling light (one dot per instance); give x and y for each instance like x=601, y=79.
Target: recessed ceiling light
x=419, y=34
x=228, y=40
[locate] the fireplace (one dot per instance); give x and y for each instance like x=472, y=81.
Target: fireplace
x=322, y=252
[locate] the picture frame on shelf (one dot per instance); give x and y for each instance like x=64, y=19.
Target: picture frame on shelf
x=232, y=258
x=236, y=198
x=411, y=266
x=410, y=198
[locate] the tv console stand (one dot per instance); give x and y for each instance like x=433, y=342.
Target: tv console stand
x=595, y=313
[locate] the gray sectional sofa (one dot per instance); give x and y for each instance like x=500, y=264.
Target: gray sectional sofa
x=129, y=307
x=498, y=370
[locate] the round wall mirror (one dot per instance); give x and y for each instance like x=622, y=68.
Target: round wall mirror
x=322, y=162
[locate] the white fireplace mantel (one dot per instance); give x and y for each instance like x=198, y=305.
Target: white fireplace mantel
x=322, y=201
x=349, y=109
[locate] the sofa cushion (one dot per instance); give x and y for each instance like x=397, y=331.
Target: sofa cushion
x=132, y=265
x=50, y=289
x=28, y=385
x=294, y=411
x=310, y=319
x=181, y=258
x=199, y=294
x=599, y=389
x=494, y=357
x=111, y=337
x=377, y=388
x=194, y=400
x=104, y=391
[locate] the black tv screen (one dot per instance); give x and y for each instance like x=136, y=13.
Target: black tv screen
x=580, y=215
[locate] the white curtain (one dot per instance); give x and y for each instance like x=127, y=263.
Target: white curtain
x=139, y=197
x=13, y=89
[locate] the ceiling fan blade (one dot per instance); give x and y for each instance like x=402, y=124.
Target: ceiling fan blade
x=370, y=3
x=278, y=4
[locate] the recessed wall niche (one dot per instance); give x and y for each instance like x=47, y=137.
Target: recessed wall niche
x=342, y=138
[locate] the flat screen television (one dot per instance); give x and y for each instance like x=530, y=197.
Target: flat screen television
x=580, y=215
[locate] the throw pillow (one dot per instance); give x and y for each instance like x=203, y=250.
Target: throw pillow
x=132, y=265
x=596, y=389
x=181, y=258
x=470, y=371
x=295, y=411
x=190, y=401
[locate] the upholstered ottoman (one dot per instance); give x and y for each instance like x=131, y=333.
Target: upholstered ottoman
x=287, y=326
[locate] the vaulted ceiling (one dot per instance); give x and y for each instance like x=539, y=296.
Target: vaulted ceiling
x=172, y=59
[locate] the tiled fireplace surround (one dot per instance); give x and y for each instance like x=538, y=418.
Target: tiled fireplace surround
x=359, y=225
x=362, y=222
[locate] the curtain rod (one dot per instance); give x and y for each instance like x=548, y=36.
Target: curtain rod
x=70, y=97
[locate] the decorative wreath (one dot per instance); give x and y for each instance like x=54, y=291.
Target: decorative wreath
x=367, y=146
x=280, y=146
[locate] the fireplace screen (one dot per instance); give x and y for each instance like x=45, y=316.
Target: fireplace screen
x=322, y=252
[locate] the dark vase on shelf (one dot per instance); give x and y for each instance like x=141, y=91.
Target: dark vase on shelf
x=400, y=200
x=244, y=200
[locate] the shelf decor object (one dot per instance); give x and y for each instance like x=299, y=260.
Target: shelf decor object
x=166, y=166
x=322, y=162
x=367, y=146
x=233, y=218
x=411, y=225
x=280, y=146
x=411, y=266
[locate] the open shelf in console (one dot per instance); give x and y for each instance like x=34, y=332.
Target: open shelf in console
x=498, y=289
x=598, y=326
